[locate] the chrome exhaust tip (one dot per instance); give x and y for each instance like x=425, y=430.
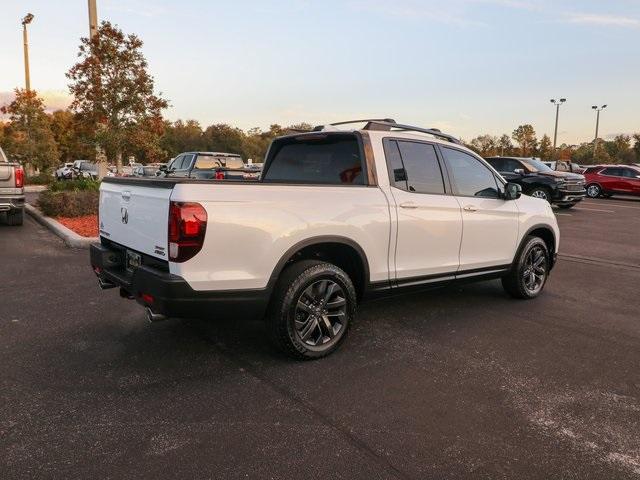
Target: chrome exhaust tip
x=154, y=317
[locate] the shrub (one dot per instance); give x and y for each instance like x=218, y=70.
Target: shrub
x=42, y=178
x=77, y=185
x=75, y=203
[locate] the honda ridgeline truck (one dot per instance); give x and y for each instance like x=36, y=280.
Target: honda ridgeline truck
x=11, y=191
x=338, y=216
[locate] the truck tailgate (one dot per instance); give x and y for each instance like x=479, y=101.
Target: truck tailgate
x=136, y=216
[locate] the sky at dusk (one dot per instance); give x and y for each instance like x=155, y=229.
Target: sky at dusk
x=466, y=66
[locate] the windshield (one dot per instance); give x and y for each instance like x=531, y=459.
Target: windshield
x=536, y=165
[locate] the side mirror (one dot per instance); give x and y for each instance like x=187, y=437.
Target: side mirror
x=512, y=191
x=519, y=171
x=163, y=168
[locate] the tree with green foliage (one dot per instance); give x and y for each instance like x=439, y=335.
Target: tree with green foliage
x=545, y=150
x=182, y=136
x=28, y=136
x=72, y=138
x=113, y=90
x=525, y=136
x=485, y=145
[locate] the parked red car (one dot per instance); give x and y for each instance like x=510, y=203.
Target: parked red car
x=607, y=180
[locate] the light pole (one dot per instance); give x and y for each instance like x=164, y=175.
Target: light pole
x=595, y=140
x=557, y=103
x=26, y=21
x=93, y=18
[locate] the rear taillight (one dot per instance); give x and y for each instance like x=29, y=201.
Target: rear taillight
x=187, y=226
x=219, y=176
x=19, y=176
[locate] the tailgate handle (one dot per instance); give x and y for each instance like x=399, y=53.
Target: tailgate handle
x=126, y=195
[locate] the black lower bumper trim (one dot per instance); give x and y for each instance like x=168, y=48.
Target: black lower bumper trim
x=171, y=295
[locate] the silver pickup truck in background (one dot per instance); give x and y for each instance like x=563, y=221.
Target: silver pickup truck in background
x=11, y=190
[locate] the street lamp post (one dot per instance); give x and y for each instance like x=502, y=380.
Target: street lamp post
x=93, y=18
x=557, y=103
x=595, y=140
x=26, y=21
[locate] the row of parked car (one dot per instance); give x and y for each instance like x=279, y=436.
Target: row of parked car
x=201, y=165
x=565, y=184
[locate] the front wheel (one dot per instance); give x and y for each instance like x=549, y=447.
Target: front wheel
x=594, y=190
x=541, y=192
x=312, y=309
x=530, y=269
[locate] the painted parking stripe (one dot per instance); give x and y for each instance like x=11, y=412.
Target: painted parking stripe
x=612, y=205
x=565, y=214
x=594, y=210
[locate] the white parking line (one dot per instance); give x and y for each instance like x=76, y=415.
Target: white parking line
x=612, y=205
x=594, y=210
x=564, y=214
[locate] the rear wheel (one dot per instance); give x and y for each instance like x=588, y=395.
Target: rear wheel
x=530, y=269
x=594, y=190
x=15, y=217
x=541, y=192
x=312, y=308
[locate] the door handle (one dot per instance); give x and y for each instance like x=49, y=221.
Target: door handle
x=408, y=205
x=470, y=208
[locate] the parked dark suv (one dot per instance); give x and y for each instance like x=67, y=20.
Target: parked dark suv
x=563, y=189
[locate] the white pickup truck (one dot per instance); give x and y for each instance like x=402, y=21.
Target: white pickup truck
x=338, y=216
x=11, y=191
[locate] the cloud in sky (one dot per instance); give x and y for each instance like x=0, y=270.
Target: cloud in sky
x=53, y=99
x=603, y=19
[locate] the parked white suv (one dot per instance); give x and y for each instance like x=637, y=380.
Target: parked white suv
x=337, y=217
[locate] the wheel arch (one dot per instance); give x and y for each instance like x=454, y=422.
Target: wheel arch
x=544, y=232
x=341, y=251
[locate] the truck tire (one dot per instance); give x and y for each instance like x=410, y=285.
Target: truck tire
x=311, y=310
x=15, y=217
x=528, y=274
x=540, y=192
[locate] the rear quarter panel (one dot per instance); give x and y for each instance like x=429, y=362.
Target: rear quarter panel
x=250, y=227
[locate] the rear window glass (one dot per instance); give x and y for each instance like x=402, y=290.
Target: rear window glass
x=207, y=162
x=323, y=159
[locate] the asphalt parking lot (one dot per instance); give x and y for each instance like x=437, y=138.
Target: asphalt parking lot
x=452, y=384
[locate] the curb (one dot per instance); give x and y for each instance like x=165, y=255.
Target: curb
x=71, y=238
x=35, y=188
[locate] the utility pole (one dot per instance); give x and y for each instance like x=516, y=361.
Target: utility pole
x=595, y=140
x=27, y=78
x=101, y=159
x=93, y=18
x=555, y=133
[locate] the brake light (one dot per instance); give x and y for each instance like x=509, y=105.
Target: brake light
x=18, y=174
x=187, y=226
x=219, y=176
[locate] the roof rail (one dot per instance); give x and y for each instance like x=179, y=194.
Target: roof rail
x=376, y=125
x=386, y=124
x=319, y=128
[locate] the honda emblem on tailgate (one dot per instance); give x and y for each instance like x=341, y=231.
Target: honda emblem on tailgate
x=124, y=214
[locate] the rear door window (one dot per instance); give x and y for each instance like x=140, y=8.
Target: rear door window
x=614, y=172
x=333, y=159
x=423, y=174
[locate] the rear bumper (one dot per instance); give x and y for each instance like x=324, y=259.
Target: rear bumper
x=170, y=295
x=11, y=202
